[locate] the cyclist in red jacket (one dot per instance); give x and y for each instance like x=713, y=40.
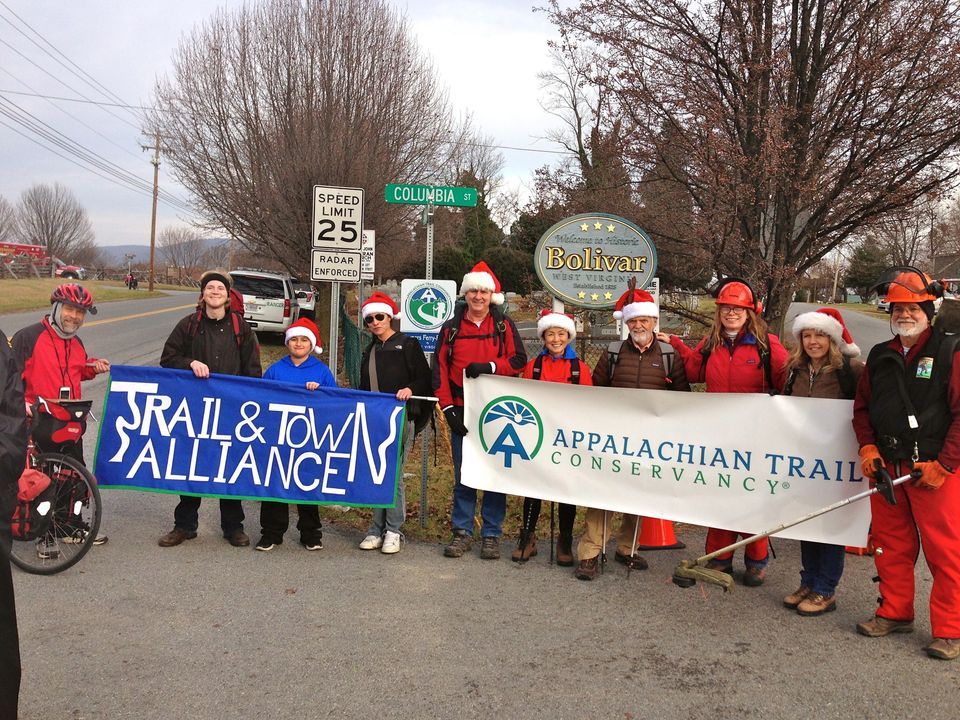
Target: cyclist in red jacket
x=52, y=359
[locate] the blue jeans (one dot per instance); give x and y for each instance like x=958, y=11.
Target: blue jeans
x=392, y=518
x=494, y=506
x=822, y=566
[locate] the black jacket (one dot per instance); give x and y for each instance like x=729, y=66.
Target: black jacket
x=13, y=435
x=214, y=343
x=400, y=363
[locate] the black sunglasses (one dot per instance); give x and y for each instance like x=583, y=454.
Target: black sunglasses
x=376, y=316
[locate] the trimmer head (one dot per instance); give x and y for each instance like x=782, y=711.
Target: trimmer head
x=688, y=572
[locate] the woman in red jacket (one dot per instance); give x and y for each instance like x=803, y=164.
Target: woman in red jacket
x=738, y=355
x=557, y=362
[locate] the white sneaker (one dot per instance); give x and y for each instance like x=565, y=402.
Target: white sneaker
x=47, y=549
x=371, y=542
x=82, y=536
x=391, y=543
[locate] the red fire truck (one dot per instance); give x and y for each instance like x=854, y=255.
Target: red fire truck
x=37, y=254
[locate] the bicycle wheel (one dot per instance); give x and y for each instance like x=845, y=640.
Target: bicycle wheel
x=74, y=522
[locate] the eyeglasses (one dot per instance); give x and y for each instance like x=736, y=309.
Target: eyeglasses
x=731, y=310
x=379, y=317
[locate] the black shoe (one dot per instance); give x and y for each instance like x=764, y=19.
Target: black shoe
x=265, y=544
x=237, y=538
x=634, y=563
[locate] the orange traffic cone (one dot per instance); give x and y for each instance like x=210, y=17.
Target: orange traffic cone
x=657, y=534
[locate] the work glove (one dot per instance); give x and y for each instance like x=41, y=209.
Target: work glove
x=870, y=459
x=454, y=421
x=929, y=475
x=477, y=369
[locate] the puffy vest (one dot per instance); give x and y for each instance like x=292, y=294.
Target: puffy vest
x=889, y=415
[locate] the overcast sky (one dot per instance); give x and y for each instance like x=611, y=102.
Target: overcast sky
x=488, y=52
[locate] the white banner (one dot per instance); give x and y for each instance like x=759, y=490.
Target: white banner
x=745, y=462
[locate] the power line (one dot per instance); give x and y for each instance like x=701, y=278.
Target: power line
x=24, y=118
x=77, y=163
x=79, y=72
x=89, y=102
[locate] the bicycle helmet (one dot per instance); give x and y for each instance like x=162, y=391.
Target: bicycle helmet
x=75, y=295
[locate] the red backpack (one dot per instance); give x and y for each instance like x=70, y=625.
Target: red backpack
x=31, y=515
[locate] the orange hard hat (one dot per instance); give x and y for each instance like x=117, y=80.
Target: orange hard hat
x=736, y=293
x=910, y=287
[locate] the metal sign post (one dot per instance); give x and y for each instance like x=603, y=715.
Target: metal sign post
x=429, y=196
x=335, y=241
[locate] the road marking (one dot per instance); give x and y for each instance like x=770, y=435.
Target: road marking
x=138, y=315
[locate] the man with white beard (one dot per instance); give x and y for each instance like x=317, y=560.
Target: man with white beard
x=638, y=362
x=905, y=415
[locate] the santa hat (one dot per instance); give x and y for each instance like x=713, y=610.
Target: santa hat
x=550, y=319
x=305, y=328
x=380, y=302
x=635, y=303
x=830, y=322
x=481, y=277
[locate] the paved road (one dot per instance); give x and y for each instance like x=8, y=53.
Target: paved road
x=207, y=631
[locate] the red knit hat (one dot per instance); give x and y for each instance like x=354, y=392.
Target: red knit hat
x=482, y=278
x=379, y=302
x=635, y=303
x=829, y=321
x=305, y=327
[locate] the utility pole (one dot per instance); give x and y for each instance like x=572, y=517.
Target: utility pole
x=156, y=191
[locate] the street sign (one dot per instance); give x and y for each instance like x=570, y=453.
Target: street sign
x=426, y=305
x=337, y=218
x=430, y=195
x=367, y=254
x=337, y=267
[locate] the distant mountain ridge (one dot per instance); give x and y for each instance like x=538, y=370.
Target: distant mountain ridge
x=117, y=254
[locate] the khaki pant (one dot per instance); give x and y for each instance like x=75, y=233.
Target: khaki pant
x=592, y=540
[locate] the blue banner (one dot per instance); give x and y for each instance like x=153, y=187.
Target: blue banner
x=237, y=437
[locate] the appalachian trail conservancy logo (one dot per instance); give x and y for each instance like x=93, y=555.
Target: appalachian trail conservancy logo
x=428, y=306
x=515, y=428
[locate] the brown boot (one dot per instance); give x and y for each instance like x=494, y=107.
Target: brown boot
x=565, y=551
x=880, y=626
x=176, y=536
x=796, y=597
x=816, y=604
x=587, y=569
x=944, y=648
x=526, y=547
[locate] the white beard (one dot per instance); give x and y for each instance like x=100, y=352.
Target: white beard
x=907, y=331
x=640, y=337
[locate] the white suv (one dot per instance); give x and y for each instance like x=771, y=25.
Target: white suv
x=269, y=300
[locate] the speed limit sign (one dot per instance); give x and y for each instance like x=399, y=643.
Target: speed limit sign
x=337, y=218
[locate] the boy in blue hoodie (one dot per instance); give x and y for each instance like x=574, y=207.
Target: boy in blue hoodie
x=300, y=367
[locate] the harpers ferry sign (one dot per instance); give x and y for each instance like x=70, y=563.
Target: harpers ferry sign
x=586, y=260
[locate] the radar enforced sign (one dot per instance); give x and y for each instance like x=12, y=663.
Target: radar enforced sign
x=337, y=223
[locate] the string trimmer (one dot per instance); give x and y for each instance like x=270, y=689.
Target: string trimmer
x=688, y=572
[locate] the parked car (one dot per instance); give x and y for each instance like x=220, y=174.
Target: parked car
x=882, y=304
x=269, y=300
x=306, y=296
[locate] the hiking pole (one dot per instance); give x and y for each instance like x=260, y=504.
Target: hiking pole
x=603, y=543
x=633, y=546
x=428, y=398
x=688, y=572
x=552, y=527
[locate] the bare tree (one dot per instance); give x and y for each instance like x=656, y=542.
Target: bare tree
x=8, y=221
x=801, y=121
x=50, y=215
x=269, y=99
x=182, y=247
